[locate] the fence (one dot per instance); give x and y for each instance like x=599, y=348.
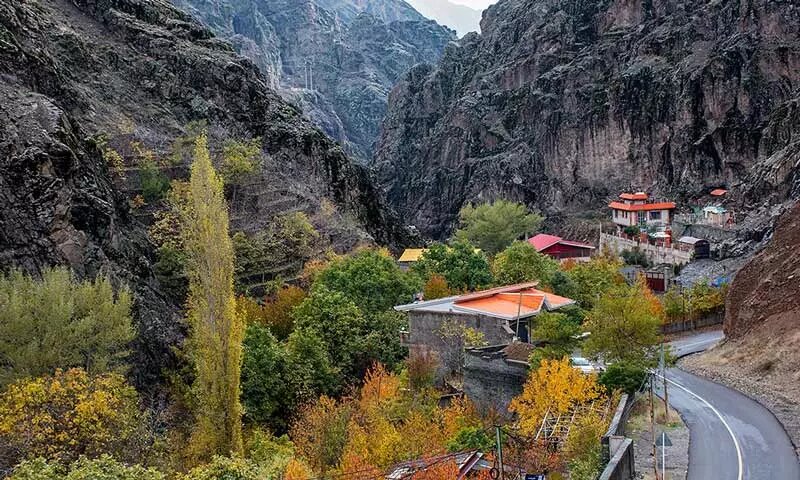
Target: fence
x=654, y=254
x=617, y=449
x=677, y=327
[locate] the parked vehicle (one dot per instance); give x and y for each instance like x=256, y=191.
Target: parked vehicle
x=584, y=365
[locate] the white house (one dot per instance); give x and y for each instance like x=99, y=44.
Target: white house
x=637, y=209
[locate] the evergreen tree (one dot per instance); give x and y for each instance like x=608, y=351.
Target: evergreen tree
x=216, y=329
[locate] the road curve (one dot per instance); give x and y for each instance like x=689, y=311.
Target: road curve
x=732, y=436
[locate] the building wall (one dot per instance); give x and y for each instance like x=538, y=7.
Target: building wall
x=424, y=332
x=559, y=251
x=491, y=382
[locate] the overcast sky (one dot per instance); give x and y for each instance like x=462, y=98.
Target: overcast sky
x=476, y=4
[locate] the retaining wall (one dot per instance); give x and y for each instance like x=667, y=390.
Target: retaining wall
x=654, y=254
x=677, y=327
x=617, y=449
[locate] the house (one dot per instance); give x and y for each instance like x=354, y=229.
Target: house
x=501, y=315
x=561, y=249
x=719, y=192
x=699, y=247
x=409, y=257
x=639, y=210
x=717, y=215
x=468, y=463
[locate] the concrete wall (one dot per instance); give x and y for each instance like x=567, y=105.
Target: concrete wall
x=654, y=254
x=621, y=466
x=676, y=327
x=490, y=380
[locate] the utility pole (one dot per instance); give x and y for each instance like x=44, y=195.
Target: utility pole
x=499, y=450
x=664, y=377
x=653, y=429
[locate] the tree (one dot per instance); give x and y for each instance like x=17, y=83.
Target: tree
x=471, y=438
x=674, y=305
x=240, y=159
x=594, y=278
x=557, y=332
x=216, y=330
x=521, y=263
x=624, y=326
x=371, y=279
x=69, y=414
x=493, y=226
x=455, y=337
x=554, y=387
x=436, y=287
x=583, y=450
x=339, y=324
x=226, y=468
x=59, y=322
x=276, y=313
x=626, y=377
x=103, y=468
x=320, y=433
x=464, y=268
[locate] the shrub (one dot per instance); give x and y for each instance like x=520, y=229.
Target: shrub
x=471, y=438
x=635, y=256
x=225, y=468
x=70, y=414
x=153, y=182
x=627, y=377
x=57, y=322
x=102, y=468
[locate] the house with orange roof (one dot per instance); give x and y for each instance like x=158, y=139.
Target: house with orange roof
x=501, y=314
x=639, y=210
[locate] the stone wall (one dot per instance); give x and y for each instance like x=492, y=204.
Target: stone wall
x=492, y=381
x=656, y=255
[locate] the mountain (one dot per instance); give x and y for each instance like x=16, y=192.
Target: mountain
x=140, y=70
x=562, y=104
x=335, y=59
x=461, y=18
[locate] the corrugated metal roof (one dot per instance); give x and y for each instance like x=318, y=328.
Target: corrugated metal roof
x=411, y=254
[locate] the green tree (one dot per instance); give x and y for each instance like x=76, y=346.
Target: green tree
x=594, y=278
x=522, y=263
x=627, y=377
x=240, y=159
x=558, y=333
x=371, y=279
x=436, y=287
x=102, y=468
x=471, y=438
x=216, y=329
x=226, y=468
x=339, y=323
x=493, y=226
x=463, y=267
x=675, y=305
x=624, y=326
x=57, y=322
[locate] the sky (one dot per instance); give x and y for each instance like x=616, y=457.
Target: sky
x=476, y=4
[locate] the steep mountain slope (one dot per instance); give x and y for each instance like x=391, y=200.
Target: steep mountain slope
x=762, y=323
x=336, y=59
x=460, y=18
x=561, y=103
x=75, y=69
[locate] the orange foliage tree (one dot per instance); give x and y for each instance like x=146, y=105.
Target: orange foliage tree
x=554, y=387
x=436, y=287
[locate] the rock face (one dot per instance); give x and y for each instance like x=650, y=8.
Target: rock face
x=72, y=69
x=336, y=59
x=560, y=104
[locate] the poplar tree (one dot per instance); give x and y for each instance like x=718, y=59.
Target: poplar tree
x=216, y=330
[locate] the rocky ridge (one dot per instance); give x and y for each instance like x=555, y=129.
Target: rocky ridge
x=336, y=59
x=562, y=104
x=70, y=70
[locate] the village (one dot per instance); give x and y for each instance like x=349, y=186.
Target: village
x=651, y=242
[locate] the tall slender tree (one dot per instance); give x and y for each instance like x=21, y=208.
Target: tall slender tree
x=216, y=329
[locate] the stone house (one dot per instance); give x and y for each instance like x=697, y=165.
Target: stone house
x=501, y=315
x=494, y=375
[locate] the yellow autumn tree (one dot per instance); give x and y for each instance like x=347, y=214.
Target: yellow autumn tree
x=296, y=470
x=216, y=330
x=554, y=387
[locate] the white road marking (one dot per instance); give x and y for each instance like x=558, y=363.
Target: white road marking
x=677, y=346
x=716, y=412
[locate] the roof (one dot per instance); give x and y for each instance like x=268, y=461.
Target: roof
x=544, y=241
x=715, y=209
x=509, y=302
x=518, y=351
x=690, y=240
x=411, y=254
x=718, y=192
x=634, y=196
x=642, y=206
x=466, y=462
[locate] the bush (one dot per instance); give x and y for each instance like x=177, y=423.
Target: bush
x=57, y=322
x=70, y=414
x=471, y=438
x=153, y=182
x=627, y=377
x=102, y=468
x=224, y=468
x=436, y=287
x=170, y=270
x=635, y=256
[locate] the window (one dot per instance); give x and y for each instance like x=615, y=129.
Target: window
x=655, y=215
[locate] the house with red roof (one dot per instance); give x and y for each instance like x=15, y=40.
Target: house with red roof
x=501, y=314
x=561, y=249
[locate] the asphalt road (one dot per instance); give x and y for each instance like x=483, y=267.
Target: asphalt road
x=732, y=436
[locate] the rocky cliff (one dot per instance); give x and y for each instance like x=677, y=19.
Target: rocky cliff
x=560, y=104
x=70, y=70
x=336, y=59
